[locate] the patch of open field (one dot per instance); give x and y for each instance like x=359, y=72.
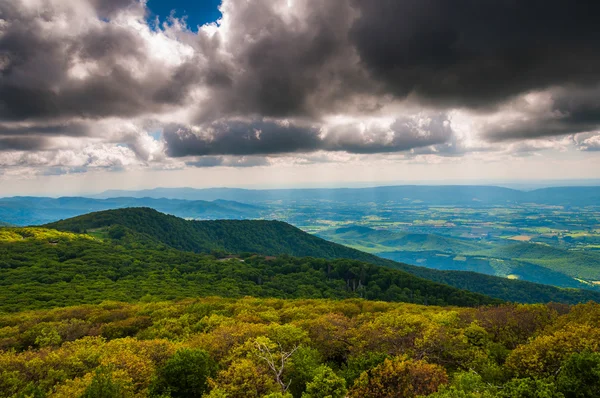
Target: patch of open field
x=521, y=238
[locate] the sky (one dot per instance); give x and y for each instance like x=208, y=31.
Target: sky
x=129, y=94
x=195, y=12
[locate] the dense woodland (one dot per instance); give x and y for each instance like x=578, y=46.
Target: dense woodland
x=41, y=268
x=272, y=238
x=246, y=348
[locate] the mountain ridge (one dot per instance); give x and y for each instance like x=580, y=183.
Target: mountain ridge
x=436, y=194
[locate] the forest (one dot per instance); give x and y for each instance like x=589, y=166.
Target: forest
x=275, y=238
x=257, y=348
x=149, y=305
x=43, y=268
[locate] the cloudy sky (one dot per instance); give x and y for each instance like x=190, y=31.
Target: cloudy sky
x=99, y=94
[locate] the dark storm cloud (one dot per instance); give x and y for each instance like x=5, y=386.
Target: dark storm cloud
x=35, y=83
x=477, y=53
x=240, y=138
x=271, y=76
x=571, y=110
x=268, y=137
x=22, y=143
x=61, y=129
x=403, y=134
x=284, y=65
x=355, y=56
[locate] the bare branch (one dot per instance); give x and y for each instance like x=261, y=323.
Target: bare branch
x=266, y=355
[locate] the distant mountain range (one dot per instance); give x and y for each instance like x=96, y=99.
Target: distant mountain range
x=234, y=203
x=433, y=195
x=36, y=210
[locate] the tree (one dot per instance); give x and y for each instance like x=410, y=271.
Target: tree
x=244, y=378
x=399, y=378
x=275, y=357
x=466, y=385
x=304, y=364
x=185, y=374
x=529, y=388
x=360, y=363
x=326, y=384
x=580, y=376
x=104, y=385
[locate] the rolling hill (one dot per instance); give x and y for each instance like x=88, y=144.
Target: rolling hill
x=376, y=240
x=278, y=238
x=533, y=262
x=577, y=264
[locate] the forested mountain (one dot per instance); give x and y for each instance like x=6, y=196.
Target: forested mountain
x=43, y=268
x=277, y=238
x=231, y=236
x=37, y=210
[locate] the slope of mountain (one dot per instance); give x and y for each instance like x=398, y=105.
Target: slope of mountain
x=277, y=238
x=374, y=240
x=231, y=236
x=514, y=269
x=44, y=268
x=34, y=210
x=435, y=195
x=533, y=262
x=577, y=264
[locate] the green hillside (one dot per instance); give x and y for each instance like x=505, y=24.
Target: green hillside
x=231, y=236
x=44, y=268
x=577, y=264
x=374, y=240
x=277, y=238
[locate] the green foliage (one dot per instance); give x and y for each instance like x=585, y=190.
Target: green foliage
x=360, y=363
x=325, y=384
x=208, y=347
x=184, y=375
x=529, y=388
x=149, y=228
x=53, y=268
x=103, y=385
x=580, y=376
x=305, y=362
x=466, y=385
